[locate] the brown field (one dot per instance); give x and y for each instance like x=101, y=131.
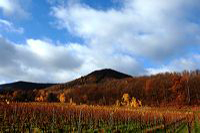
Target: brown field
x=58, y=117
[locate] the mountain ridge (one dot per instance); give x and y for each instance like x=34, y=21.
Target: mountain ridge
x=93, y=77
x=24, y=85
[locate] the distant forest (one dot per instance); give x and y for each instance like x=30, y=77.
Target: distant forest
x=167, y=89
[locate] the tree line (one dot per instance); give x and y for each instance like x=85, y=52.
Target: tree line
x=156, y=90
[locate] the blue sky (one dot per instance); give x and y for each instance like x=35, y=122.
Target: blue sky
x=60, y=40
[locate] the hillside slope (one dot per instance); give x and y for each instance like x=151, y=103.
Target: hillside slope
x=21, y=85
x=96, y=77
x=102, y=88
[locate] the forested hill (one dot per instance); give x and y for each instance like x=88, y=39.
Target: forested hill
x=96, y=77
x=106, y=86
x=21, y=85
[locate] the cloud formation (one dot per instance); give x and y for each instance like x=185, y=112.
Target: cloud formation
x=14, y=8
x=140, y=37
x=37, y=60
x=151, y=29
x=41, y=60
x=178, y=65
x=9, y=27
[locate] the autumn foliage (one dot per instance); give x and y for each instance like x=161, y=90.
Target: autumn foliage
x=166, y=89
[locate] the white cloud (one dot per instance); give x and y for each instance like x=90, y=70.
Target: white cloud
x=14, y=8
x=53, y=2
x=9, y=27
x=152, y=29
x=2, y=82
x=157, y=31
x=178, y=65
x=153, y=71
x=36, y=60
x=45, y=61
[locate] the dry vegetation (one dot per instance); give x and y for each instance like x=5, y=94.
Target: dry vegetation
x=58, y=117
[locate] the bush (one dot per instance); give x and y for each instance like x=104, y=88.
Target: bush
x=52, y=97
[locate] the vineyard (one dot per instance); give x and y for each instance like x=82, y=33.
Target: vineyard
x=45, y=117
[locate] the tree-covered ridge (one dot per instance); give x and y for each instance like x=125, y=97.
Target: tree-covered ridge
x=161, y=89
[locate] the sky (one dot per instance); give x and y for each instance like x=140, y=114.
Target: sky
x=61, y=40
